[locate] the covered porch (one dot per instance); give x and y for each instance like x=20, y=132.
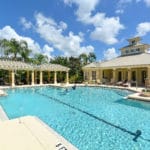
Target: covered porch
x=136, y=75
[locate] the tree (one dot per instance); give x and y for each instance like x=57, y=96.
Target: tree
x=91, y=57
x=40, y=59
x=14, y=48
x=25, y=51
x=83, y=59
x=60, y=60
x=4, y=46
x=18, y=50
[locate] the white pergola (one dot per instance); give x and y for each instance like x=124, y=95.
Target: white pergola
x=52, y=68
x=13, y=66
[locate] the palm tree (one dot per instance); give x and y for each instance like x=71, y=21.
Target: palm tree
x=40, y=59
x=91, y=57
x=4, y=44
x=14, y=48
x=84, y=59
x=24, y=51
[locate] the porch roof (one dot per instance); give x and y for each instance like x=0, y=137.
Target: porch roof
x=18, y=65
x=52, y=67
x=127, y=61
x=123, y=61
x=15, y=65
x=92, y=65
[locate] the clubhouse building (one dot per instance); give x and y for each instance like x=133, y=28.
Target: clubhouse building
x=132, y=66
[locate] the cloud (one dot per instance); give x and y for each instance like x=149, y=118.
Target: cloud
x=147, y=2
x=143, y=28
x=47, y=51
x=122, y=4
x=119, y=11
x=110, y=54
x=26, y=24
x=105, y=28
x=52, y=32
x=8, y=33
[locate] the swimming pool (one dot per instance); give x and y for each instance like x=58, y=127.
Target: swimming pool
x=91, y=118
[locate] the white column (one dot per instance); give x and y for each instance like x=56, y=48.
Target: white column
x=147, y=81
x=101, y=74
x=148, y=73
x=90, y=73
x=55, y=77
x=67, y=77
x=129, y=74
x=114, y=75
x=41, y=77
x=32, y=78
x=84, y=75
x=12, y=78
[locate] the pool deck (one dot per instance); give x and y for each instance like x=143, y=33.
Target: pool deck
x=30, y=133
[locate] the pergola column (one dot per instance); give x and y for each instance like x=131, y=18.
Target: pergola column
x=35, y=77
x=32, y=77
x=41, y=77
x=55, y=77
x=9, y=76
x=84, y=74
x=67, y=77
x=13, y=78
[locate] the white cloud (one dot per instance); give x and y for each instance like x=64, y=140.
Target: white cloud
x=26, y=24
x=105, y=28
x=119, y=11
x=8, y=33
x=52, y=32
x=110, y=54
x=143, y=28
x=123, y=3
x=47, y=51
x=147, y=2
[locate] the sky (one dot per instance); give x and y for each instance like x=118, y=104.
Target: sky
x=72, y=27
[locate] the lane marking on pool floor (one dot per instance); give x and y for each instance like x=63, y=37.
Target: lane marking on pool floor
x=136, y=134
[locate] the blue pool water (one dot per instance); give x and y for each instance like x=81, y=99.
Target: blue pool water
x=91, y=118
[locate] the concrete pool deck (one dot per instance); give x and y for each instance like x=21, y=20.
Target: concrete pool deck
x=30, y=133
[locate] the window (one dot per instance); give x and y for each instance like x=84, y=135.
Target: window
x=86, y=75
x=133, y=42
x=127, y=51
x=134, y=75
x=93, y=75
